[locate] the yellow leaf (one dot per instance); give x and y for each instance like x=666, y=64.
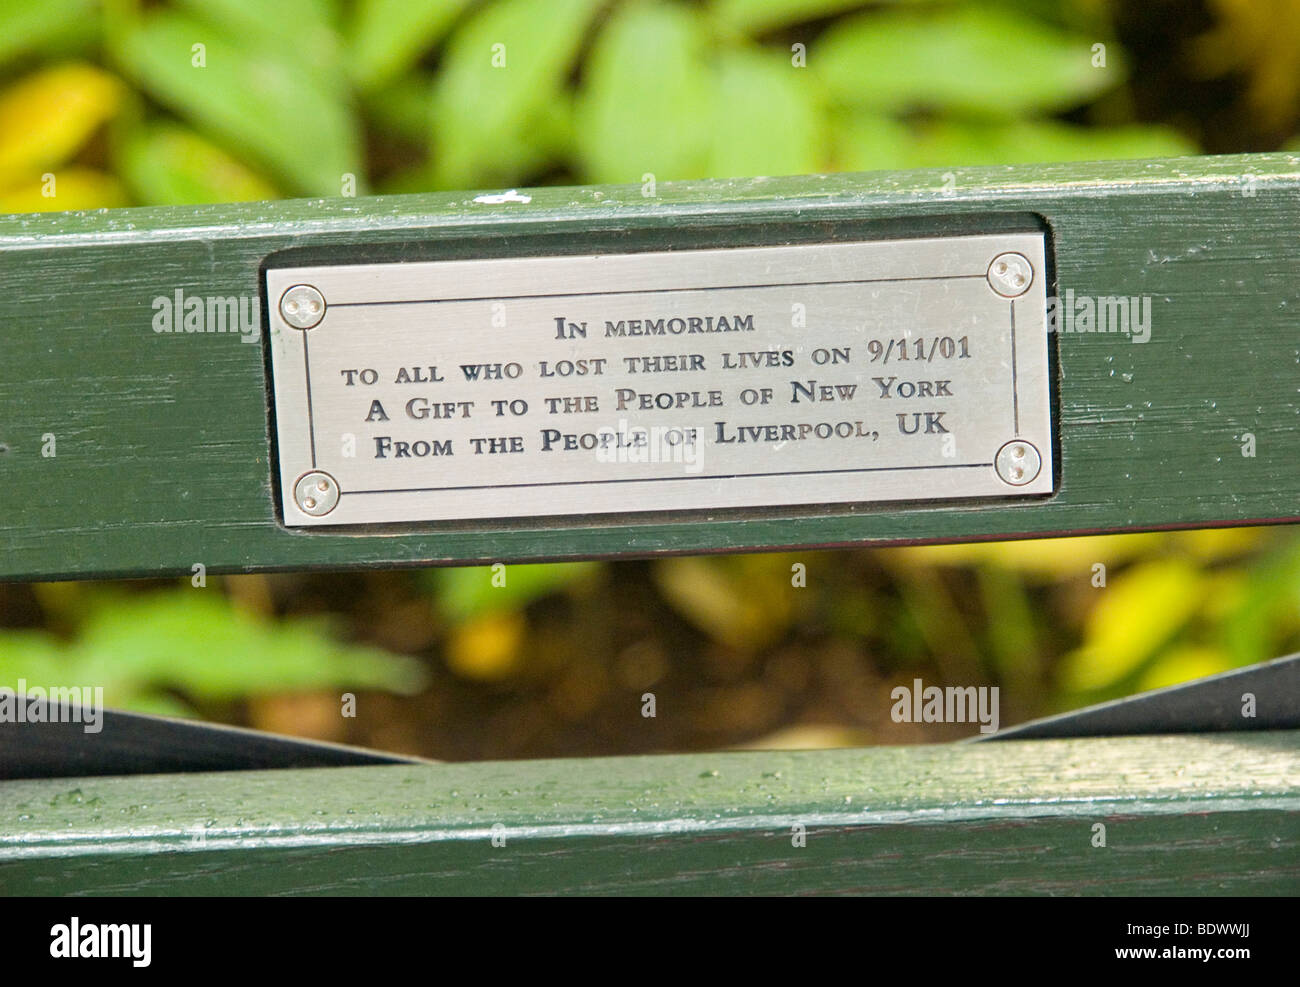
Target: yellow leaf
x=1214, y=544
x=73, y=188
x=1138, y=611
x=1052, y=558
x=1183, y=665
x=46, y=117
x=744, y=602
x=487, y=647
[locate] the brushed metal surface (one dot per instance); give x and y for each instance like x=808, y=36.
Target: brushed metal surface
x=706, y=379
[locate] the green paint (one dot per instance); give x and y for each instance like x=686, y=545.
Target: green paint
x=163, y=443
x=1183, y=815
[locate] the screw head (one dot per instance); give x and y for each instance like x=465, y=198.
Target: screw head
x=1010, y=274
x=302, y=306
x=1018, y=462
x=316, y=493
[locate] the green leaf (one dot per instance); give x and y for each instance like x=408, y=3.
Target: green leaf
x=646, y=102
x=759, y=16
x=403, y=109
x=198, y=643
x=388, y=36
x=953, y=143
x=466, y=593
x=27, y=24
x=498, y=101
x=250, y=97
x=33, y=656
x=306, y=30
x=983, y=60
x=868, y=141
x=768, y=118
x=1010, y=626
x=167, y=164
x=1266, y=615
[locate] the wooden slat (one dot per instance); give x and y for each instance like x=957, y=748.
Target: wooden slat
x=163, y=444
x=1182, y=815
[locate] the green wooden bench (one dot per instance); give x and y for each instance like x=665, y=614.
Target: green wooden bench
x=128, y=451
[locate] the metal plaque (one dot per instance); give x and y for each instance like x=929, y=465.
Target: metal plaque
x=901, y=370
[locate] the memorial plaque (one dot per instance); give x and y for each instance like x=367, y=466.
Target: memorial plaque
x=696, y=380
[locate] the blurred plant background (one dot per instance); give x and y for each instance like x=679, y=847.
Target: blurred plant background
x=122, y=102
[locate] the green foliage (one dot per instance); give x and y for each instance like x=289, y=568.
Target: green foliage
x=387, y=37
x=32, y=25
x=1134, y=617
x=289, y=98
x=983, y=61
x=498, y=106
x=290, y=114
x=1165, y=609
x=471, y=592
x=172, y=165
x=735, y=111
x=156, y=651
x=625, y=127
x=872, y=142
x=239, y=99
x=305, y=31
x=767, y=119
x=757, y=17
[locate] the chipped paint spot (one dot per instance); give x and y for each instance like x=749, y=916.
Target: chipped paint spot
x=499, y=197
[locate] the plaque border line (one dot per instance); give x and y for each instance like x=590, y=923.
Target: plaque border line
x=311, y=421
x=659, y=479
x=660, y=291
x=1015, y=398
x=1015, y=380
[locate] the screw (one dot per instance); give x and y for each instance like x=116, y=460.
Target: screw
x=1010, y=274
x=1018, y=462
x=316, y=493
x=302, y=306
